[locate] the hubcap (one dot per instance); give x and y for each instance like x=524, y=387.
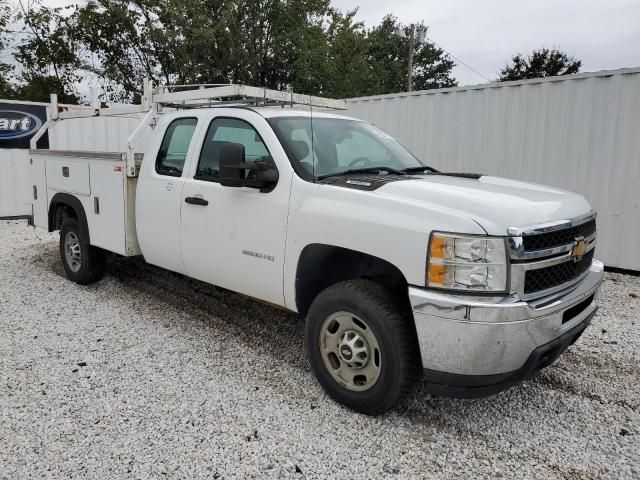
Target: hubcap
x=353, y=349
x=350, y=351
x=72, y=251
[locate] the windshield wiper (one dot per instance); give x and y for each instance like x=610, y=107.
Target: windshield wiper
x=422, y=168
x=363, y=170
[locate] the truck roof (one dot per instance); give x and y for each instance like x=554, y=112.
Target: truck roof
x=269, y=111
x=273, y=112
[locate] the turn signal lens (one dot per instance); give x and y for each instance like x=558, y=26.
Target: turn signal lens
x=437, y=247
x=437, y=275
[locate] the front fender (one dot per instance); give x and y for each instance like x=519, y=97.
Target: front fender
x=365, y=221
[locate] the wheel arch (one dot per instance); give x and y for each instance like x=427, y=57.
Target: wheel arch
x=321, y=265
x=64, y=205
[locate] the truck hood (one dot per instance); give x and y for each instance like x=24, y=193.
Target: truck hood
x=493, y=202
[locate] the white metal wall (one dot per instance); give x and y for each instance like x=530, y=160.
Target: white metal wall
x=14, y=183
x=580, y=133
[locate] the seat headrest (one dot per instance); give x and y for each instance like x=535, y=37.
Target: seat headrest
x=300, y=149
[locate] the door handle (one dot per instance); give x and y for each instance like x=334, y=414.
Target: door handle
x=196, y=201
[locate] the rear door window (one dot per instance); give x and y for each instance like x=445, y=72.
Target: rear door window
x=174, y=147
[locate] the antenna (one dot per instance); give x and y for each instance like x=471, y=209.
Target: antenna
x=313, y=156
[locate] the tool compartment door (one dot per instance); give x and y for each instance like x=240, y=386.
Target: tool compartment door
x=68, y=175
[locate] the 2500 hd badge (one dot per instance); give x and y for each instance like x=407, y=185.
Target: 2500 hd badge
x=262, y=256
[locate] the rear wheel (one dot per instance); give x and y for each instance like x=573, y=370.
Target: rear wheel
x=362, y=345
x=83, y=263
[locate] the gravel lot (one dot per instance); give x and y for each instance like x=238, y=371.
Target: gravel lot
x=149, y=374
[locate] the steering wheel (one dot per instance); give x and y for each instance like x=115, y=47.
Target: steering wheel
x=364, y=160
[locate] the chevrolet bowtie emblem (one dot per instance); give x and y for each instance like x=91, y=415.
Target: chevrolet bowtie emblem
x=579, y=249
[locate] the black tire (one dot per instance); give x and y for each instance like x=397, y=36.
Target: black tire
x=392, y=325
x=92, y=260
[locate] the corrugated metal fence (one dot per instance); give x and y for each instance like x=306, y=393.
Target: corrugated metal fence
x=580, y=133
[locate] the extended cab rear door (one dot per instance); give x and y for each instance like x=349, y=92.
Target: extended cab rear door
x=234, y=237
x=159, y=190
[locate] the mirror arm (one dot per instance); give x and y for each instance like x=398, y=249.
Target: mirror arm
x=239, y=166
x=257, y=166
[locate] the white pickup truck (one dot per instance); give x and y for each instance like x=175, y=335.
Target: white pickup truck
x=473, y=281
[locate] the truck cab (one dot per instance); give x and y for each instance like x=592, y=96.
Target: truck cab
x=474, y=281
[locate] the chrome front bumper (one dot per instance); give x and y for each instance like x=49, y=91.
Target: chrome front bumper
x=476, y=336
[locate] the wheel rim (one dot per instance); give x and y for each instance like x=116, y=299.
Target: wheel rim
x=72, y=251
x=350, y=351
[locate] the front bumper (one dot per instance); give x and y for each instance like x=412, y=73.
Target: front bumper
x=475, y=346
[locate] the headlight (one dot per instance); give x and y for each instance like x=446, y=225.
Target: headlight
x=467, y=263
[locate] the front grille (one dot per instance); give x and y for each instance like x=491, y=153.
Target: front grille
x=549, y=277
x=567, y=236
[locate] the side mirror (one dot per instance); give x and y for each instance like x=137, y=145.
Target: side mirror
x=232, y=165
x=267, y=176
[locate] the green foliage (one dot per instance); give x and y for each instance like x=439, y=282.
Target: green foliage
x=6, y=88
x=199, y=41
x=348, y=72
x=47, y=56
x=541, y=63
x=304, y=45
x=432, y=68
x=388, y=57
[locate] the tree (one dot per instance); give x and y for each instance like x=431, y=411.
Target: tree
x=432, y=68
x=332, y=58
x=304, y=45
x=541, y=63
x=48, y=55
x=256, y=42
x=121, y=37
x=388, y=57
x=6, y=88
x=349, y=73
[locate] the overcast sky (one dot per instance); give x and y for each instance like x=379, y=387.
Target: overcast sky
x=604, y=34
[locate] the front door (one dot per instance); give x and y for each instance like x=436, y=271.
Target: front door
x=234, y=237
x=159, y=196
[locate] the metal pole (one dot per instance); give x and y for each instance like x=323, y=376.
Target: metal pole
x=51, y=121
x=412, y=38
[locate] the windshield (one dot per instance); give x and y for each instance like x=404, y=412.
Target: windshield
x=339, y=145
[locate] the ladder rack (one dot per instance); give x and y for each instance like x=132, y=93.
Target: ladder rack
x=183, y=96
x=243, y=94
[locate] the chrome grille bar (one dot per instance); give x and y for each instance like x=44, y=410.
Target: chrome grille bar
x=517, y=251
x=550, y=226
x=524, y=260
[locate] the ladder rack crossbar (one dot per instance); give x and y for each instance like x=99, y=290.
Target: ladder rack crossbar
x=228, y=103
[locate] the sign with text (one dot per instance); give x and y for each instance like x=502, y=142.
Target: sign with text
x=20, y=122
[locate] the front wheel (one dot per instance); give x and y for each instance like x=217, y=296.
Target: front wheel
x=83, y=263
x=362, y=345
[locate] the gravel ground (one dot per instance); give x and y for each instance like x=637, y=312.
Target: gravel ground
x=148, y=374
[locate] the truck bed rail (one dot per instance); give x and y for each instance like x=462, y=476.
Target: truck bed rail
x=88, y=154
